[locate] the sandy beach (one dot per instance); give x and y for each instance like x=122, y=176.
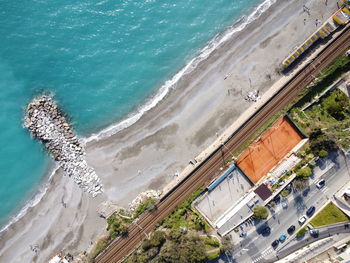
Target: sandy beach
x=147, y=154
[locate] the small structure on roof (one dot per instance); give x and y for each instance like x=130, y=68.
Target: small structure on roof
x=263, y=191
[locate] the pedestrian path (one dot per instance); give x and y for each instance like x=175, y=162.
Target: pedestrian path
x=263, y=254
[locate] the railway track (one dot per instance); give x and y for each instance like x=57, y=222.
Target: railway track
x=121, y=247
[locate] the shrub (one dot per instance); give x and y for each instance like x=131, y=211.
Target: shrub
x=272, y=204
x=260, y=212
x=147, y=204
x=190, y=250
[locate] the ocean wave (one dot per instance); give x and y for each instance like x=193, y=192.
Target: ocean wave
x=170, y=84
x=31, y=202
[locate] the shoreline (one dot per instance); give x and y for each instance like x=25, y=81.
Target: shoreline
x=159, y=131
x=151, y=102
x=190, y=66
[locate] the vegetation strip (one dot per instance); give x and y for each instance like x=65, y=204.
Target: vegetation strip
x=329, y=215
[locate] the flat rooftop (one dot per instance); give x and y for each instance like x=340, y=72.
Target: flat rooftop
x=215, y=202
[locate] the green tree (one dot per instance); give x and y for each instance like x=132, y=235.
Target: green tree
x=260, y=212
x=336, y=104
x=304, y=173
x=116, y=227
x=322, y=153
x=285, y=193
x=320, y=141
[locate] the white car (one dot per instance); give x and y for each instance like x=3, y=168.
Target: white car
x=320, y=184
x=302, y=220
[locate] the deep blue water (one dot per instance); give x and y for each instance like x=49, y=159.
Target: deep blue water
x=101, y=59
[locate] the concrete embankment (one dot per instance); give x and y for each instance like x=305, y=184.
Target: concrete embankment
x=47, y=124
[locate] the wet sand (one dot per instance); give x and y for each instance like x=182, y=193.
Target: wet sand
x=165, y=138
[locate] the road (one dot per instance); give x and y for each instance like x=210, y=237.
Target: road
x=205, y=171
x=323, y=233
x=257, y=248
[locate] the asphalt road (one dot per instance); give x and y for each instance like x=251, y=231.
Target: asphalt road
x=323, y=233
x=257, y=248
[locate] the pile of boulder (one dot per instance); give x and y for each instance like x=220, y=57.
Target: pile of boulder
x=47, y=124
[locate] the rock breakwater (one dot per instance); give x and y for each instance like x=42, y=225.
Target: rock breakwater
x=47, y=124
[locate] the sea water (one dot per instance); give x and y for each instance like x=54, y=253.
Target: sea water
x=101, y=60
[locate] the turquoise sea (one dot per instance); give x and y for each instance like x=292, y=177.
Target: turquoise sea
x=101, y=59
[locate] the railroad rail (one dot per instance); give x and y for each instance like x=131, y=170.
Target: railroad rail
x=123, y=246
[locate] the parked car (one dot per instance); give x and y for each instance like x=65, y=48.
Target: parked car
x=314, y=232
x=243, y=234
x=266, y=231
x=310, y=211
x=291, y=229
x=277, y=199
x=302, y=220
x=282, y=237
x=284, y=205
x=320, y=184
x=275, y=243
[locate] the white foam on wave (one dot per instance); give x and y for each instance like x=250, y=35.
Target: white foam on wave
x=32, y=202
x=170, y=84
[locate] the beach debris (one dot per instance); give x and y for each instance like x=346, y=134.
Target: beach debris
x=142, y=197
x=253, y=96
x=47, y=124
x=60, y=258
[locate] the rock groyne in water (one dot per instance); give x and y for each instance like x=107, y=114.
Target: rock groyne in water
x=47, y=124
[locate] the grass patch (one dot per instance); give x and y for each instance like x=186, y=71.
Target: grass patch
x=214, y=255
x=211, y=243
x=301, y=232
x=330, y=214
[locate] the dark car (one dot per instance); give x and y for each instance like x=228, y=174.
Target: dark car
x=275, y=243
x=314, y=233
x=277, y=199
x=291, y=229
x=310, y=211
x=266, y=231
